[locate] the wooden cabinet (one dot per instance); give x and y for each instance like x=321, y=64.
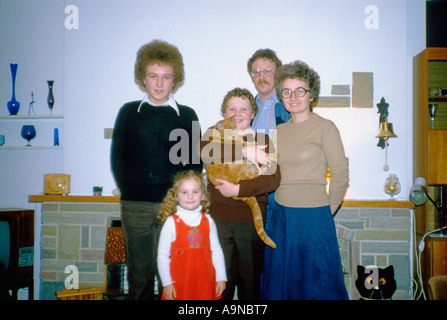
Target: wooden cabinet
x=437, y=156
x=16, y=250
x=438, y=250
x=436, y=257
x=429, y=136
x=430, y=153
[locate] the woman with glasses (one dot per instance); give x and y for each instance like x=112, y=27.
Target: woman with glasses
x=306, y=264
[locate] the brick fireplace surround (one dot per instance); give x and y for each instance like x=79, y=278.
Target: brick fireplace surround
x=73, y=232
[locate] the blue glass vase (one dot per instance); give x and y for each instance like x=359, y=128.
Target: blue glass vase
x=13, y=105
x=50, y=98
x=28, y=133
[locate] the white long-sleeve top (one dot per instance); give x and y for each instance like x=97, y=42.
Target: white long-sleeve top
x=168, y=235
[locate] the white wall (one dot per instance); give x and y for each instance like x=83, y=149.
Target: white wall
x=32, y=37
x=93, y=71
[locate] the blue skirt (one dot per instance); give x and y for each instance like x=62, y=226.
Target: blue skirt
x=306, y=264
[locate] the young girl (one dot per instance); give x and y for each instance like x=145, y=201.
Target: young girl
x=190, y=259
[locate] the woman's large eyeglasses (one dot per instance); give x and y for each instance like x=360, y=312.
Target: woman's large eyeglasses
x=267, y=72
x=299, y=93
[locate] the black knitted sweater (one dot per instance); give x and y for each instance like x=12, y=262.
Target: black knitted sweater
x=150, y=147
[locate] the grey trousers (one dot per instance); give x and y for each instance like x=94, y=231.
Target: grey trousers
x=244, y=259
x=141, y=232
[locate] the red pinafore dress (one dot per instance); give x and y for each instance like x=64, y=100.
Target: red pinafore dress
x=192, y=270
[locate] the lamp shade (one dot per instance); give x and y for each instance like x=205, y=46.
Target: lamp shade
x=114, y=251
x=418, y=194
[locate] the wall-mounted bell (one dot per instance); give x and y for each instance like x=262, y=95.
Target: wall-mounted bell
x=386, y=131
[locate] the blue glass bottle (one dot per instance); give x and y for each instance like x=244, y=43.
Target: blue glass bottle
x=13, y=105
x=56, y=137
x=50, y=99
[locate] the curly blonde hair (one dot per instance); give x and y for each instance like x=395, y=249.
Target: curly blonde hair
x=162, y=53
x=170, y=202
x=239, y=93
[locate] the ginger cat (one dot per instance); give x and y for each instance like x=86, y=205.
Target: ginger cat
x=225, y=132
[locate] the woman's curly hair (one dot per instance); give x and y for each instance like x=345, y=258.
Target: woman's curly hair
x=301, y=71
x=163, y=53
x=170, y=202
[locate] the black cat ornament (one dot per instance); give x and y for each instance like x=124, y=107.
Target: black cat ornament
x=375, y=283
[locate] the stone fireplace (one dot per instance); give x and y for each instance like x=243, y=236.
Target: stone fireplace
x=377, y=236
x=73, y=232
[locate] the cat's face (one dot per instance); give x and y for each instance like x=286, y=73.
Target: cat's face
x=225, y=130
x=375, y=283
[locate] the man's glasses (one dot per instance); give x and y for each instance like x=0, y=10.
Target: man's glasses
x=267, y=72
x=299, y=93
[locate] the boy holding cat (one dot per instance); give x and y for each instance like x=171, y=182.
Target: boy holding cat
x=243, y=249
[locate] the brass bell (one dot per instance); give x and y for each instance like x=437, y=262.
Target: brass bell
x=386, y=131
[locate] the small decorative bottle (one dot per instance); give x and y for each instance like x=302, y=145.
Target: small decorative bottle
x=56, y=137
x=50, y=99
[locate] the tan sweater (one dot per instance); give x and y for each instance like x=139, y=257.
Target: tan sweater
x=306, y=150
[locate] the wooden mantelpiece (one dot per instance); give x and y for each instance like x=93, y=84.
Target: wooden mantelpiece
x=346, y=203
x=80, y=198
x=377, y=204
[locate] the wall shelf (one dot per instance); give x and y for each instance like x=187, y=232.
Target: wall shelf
x=39, y=120
x=33, y=117
x=29, y=148
x=438, y=99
